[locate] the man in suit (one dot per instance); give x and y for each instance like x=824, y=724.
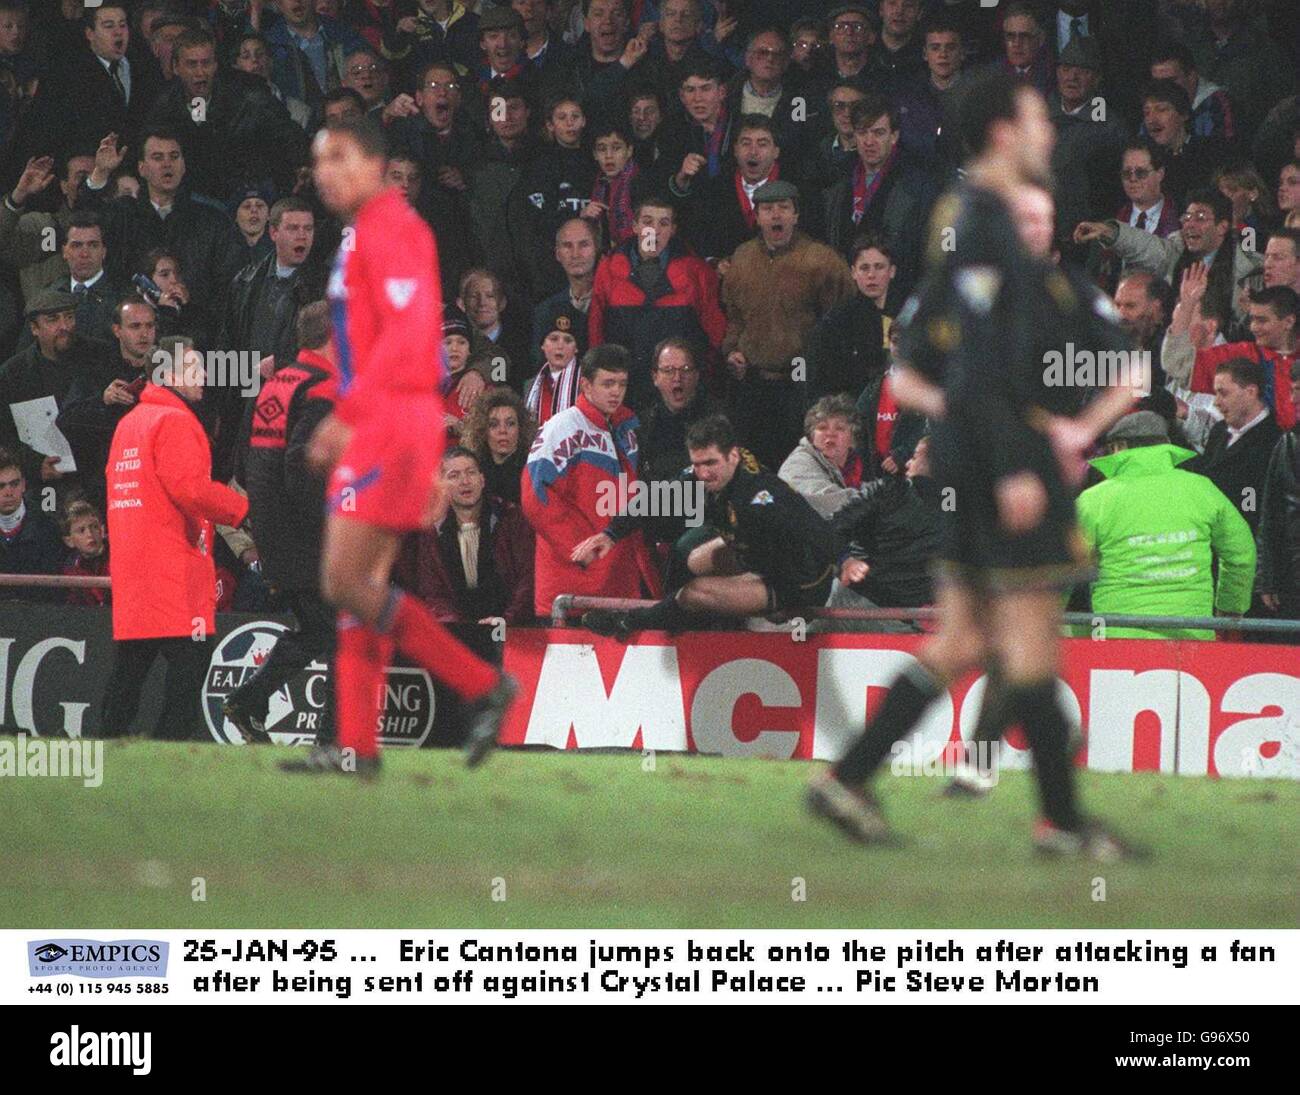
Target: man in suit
x=100, y=89
x=1239, y=447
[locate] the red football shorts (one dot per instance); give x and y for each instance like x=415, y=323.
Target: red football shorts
x=387, y=473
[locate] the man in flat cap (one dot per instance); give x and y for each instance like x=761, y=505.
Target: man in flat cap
x=45, y=370
x=776, y=288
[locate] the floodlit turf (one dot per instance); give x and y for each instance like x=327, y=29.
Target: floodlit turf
x=598, y=841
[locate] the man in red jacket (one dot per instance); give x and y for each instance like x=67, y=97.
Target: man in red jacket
x=162, y=504
x=383, y=444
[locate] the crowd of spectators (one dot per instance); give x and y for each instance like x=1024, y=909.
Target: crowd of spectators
x=649, y=214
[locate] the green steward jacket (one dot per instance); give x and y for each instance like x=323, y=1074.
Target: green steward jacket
x=1154, y=529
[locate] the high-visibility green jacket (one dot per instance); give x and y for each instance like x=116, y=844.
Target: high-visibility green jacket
x=1154, y=529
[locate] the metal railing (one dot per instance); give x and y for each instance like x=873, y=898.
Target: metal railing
x=56, y=581
x=569, y=604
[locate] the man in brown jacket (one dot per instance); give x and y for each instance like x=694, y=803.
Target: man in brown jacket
x=777, y=286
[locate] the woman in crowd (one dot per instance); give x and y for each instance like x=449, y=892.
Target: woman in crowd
x=500, y=432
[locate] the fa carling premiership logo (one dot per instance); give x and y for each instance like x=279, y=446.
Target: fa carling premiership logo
x=97, y=958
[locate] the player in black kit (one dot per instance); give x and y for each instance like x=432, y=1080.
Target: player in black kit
x=1008, y=444
x=762, y=550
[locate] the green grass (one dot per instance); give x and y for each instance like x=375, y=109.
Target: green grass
x=596, y=841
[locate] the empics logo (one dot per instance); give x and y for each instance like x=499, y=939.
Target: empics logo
x=97, y=958
x=104, y=1049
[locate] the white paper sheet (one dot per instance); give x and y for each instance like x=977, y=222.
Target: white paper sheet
x=35, y=419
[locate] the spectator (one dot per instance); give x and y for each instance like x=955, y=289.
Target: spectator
x=46, y=368
x=1198, y=323
x=763, y=88
x=899, y=58
x=103, y=392
x=889, y=433
x=678, y=403
x=176, y=312
x=476, y=563
x=1211, y=110
x=440, y=30
x=1278, y=581
x=96, y=294
x=719, y=215
x=254, y=59
x=777, y=288
x=455, y=351
x=1288, y=190
x=499, y=431
x=808, y=42
x=91, y=90
x=252, y=215
x=617, y=186
x=1207, y=239
x=578, y=456
x=163, y=509
x=1166, y=120
x=853, y=34
x=165, y=215
x=546, y=52
x=555, y=388
x=928, y=100
x=846, y=349
x=494, y=326
x=1233, y=53
x=343, y=104
x=1024, y=53
x=1142, y=176
x=286, y=505
x=837, y=151
x=1089, y=138
x=826, y=466
x=1272, y=318
x=1240, y=444
x=885, y=192
x=83, y=535
x=1252, y=205
x=501, y=40
x=674, y=49
x=307, y=52
x=606, y=54
x=645, y=121
x=366, y=73
x=652, y=288
x=576, y=250
x=497, y=204
x=1155, y=529
x=1145, y=304
x=891, y=529
x=698, y=147
x=29, y=538
x=559, y=181
x=762, y=550
x=264, y=298
x=1282, y=260
x=24, y=236
x=230, y=125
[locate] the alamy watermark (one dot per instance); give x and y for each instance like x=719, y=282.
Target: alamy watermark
x=972, y=761
x=56, y=758
x=651, y=498
x=1078, y=368
x=240, y=369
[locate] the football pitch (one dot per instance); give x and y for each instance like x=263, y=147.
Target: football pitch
x=545, y=839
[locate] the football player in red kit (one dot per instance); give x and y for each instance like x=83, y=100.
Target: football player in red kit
x=382, y=447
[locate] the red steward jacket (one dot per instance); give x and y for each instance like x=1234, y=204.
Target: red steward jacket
x=386, y=305
x=162, y=504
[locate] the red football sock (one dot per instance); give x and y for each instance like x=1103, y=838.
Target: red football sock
x=359, y=664
x=427, y=643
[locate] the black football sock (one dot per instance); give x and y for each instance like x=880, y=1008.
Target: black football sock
x=908, y=697
x=992, y=721
x=666, y=615
x=1035, y=707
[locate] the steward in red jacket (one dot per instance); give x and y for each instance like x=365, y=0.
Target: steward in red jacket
x=570, y=481
x=162, y=504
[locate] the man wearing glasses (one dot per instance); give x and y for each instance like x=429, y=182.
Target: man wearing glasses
x=1207, y=237
x=1023, y=56
x=853, y=33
